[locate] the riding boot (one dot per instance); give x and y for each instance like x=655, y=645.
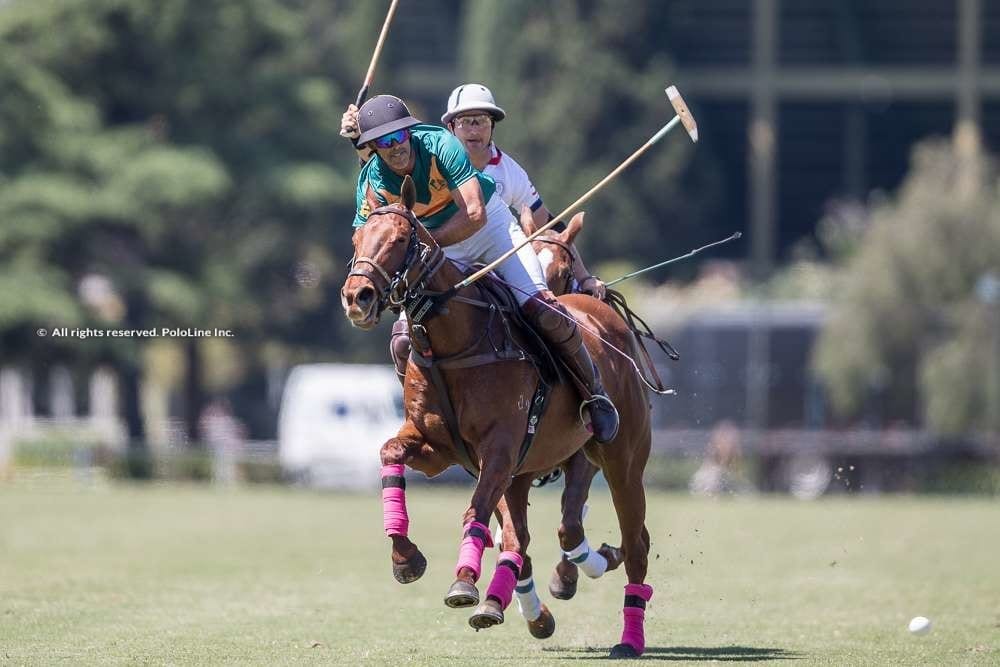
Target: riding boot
x=554, y=323
x=399, y=348
x=603, y=414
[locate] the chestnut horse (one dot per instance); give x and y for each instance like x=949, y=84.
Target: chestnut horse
x=398, y=262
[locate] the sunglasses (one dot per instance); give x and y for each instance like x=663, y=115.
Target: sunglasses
x=479, y=120
x=390, y=140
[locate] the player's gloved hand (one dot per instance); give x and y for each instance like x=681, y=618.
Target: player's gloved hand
x=594, y=286
x=349, y=124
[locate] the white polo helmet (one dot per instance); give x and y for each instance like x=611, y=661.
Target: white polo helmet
x=472, y=97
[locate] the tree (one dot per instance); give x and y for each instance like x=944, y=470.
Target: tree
x=909, y=315
x=181, y=149
x=584, y=87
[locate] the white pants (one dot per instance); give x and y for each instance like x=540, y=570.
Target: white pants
x=501, y=233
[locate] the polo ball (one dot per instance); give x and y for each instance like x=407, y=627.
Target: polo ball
x=920, y=625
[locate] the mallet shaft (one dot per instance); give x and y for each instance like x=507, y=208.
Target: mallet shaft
x=629, y=160
x=370, y=74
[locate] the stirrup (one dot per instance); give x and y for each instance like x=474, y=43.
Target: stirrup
x=593, y=399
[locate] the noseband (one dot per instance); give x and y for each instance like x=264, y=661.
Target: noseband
x=404, y=288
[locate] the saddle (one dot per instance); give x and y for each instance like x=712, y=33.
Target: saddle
x=507, y=336
x=514, y=339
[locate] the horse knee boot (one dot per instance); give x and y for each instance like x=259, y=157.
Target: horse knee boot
x=399, y=347
x=554, y=323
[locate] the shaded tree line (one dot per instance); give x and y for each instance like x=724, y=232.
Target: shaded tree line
x=177, y=164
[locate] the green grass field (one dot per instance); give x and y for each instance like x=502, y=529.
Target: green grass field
x=166, y=574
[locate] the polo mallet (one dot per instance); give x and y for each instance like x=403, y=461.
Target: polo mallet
x=363, y=93
x=683, y=116
x=694, y=252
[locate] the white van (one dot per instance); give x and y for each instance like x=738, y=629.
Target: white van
x=333, y=421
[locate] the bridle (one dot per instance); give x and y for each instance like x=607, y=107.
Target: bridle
x=406, y=289
x=569, y=251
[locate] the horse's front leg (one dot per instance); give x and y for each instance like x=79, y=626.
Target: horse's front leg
x=494, y=478
x=408, y=564
x=513, y=514
x=513, y=568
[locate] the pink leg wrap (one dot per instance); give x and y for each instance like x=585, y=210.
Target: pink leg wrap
x=505, y=578
x=394, y=517
x=470, y=554
x=636, y=597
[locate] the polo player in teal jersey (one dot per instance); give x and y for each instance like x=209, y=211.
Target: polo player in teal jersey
x=461, y=210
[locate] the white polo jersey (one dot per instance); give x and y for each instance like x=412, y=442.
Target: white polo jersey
x=513, y=184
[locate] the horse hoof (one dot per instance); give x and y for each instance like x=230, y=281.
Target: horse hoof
x=560, y=588
x=611, y=554
x=487, y=615
x=461, y=594
x=411, y=570
x=623, y=651
x=544, y=626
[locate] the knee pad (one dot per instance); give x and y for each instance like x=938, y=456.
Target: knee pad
x=399, y=347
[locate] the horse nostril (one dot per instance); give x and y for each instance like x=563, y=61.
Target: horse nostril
x=364, y=297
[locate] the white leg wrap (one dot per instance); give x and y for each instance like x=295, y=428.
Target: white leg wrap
x=528, y=602
x=592, y=563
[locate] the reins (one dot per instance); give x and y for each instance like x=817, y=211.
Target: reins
x=401, y=291
x=630, y=318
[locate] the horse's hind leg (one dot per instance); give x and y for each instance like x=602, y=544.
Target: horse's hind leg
x=541, y=622
x=577, y=553
x=513, y=513
x=408, y=564
x=625, y=481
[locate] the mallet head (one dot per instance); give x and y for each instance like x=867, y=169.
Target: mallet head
x=683, y=112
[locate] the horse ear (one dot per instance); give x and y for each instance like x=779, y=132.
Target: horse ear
x=528, y=221
x=574, y=227
x=408, y=193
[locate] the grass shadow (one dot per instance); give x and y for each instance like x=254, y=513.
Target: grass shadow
x=677, y=653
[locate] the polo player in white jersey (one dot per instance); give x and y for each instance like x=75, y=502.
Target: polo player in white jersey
x=472, y=116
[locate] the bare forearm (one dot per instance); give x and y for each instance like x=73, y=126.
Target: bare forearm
x=458, y=228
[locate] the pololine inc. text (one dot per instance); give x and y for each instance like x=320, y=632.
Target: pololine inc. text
x=164, y=332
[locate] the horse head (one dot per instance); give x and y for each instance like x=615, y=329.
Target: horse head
x=385, y=248
x=555, y=251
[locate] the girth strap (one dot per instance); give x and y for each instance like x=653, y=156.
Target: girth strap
x=536, y=410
